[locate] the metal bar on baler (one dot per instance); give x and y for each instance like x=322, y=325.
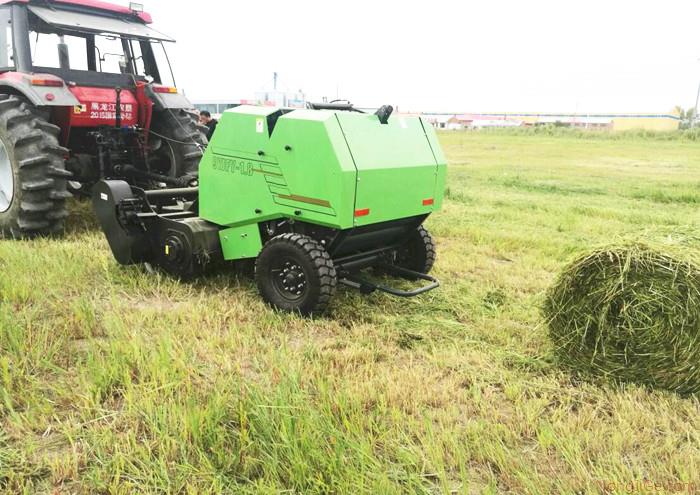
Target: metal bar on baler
x=367, y=287
x=360, y=260
x=182, y=192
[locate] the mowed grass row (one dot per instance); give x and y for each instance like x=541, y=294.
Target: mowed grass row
x=113, y=380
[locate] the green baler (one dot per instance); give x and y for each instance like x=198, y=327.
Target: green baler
x=314, y=196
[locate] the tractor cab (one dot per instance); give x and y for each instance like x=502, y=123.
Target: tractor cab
x=98, y=78
x=82, y=45
x=78, y=53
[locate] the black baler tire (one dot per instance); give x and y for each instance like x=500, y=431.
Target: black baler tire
x=38, y=168
x=318, y=269
x=418, y=253
x=186, y=138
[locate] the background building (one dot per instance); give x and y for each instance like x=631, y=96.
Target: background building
x=616, y=122
x=217, y=107
x=268, y=97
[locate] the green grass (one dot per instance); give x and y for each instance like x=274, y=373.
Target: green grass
x=113, y=380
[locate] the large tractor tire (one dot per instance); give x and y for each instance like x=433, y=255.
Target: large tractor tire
x=178, y=140
x=295, y=273
x=33, y=177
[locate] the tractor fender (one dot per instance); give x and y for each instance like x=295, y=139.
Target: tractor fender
x=162, y=101
x=19, y=84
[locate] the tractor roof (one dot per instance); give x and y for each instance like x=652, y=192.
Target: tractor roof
x=94, y=6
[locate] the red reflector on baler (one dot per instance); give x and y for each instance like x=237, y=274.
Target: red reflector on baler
x=428, y=202
x=362, y=213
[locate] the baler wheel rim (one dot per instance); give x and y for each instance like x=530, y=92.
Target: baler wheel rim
x=289, y=278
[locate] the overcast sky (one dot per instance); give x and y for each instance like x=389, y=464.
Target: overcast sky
x=476, y=55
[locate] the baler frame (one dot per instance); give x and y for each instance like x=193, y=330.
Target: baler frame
x=162, y=227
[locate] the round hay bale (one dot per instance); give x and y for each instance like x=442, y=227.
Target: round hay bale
x=630, y=314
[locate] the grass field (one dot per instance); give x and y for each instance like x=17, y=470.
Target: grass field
x=113, y=380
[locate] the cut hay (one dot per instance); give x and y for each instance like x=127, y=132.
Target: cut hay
x=630, y=314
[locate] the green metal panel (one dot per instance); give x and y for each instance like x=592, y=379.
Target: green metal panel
x=241, y=242
x=397, y=169
x=303, y=170
x=441, y=176
x=318, y=169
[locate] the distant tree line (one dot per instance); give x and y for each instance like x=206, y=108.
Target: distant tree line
x=687, y=116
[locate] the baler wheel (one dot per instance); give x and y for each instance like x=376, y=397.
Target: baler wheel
x=418, y=253
x=295, y=273
x=33, y=176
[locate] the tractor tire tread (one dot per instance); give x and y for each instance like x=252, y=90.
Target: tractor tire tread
x=10, y=102
x=194, y=154
x=60, y=173
x=48, y=127
x=38, y=185
x=56, y=149
x=38, y=207
x=58, y=195
x=28, y=138
x=186, y=140
x=20, y=118
x=34, y=161
x=30, y=207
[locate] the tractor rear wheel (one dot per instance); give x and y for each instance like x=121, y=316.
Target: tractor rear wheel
x=33, y=177
x=418, y=252
x=295, y=273
x=178, y=142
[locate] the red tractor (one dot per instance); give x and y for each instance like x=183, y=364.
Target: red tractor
x=86, y=93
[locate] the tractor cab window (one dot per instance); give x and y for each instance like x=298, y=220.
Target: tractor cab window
x=148, y=63
x=56, y=47
x=111, y=57
x=101, y=53
x=161, y=62
x=73, y=52
x=49, y=48
x=6, y=60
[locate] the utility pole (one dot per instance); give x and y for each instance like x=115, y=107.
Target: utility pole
x=274, y=78
x=697, y=100
x=695, y=113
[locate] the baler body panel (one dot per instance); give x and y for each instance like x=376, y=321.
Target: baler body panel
x=303, y=170
x=396, y=167
x=333, y=168
x=441, y=175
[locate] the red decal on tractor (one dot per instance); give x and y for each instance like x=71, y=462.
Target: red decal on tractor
x=98, y=107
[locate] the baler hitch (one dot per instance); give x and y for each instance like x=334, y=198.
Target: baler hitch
x=134, y=173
